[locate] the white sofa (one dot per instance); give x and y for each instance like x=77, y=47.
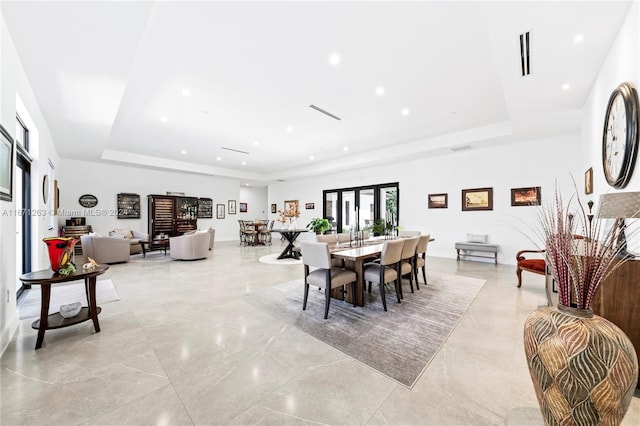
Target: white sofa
x=190, y=246
x=133, y=237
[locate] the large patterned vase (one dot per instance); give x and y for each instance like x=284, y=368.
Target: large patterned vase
x=584, y=368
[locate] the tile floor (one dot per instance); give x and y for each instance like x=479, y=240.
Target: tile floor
x=182, y=347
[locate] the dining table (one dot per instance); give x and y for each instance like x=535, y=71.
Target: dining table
x=291, y=235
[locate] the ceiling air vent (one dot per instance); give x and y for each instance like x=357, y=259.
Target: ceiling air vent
x=335, y=117
x=460, y=148
x=235, y=150
x=524, y=54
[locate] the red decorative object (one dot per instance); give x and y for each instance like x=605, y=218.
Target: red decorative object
x=60, y=249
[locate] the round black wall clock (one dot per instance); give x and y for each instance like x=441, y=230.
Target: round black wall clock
x=45, y=189
x=620, y=136
x=88, y=201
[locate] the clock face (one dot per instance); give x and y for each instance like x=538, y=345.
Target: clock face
x=620, y=136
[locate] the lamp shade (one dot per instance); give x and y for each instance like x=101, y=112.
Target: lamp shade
x=620, y=205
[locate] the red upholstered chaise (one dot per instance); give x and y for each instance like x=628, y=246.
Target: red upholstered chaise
x=537, y=266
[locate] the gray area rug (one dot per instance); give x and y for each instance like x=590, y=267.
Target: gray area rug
x=399, y=343
x=62, y=294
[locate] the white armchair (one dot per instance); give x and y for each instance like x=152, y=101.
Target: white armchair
x=105, y=249
x=190, y=247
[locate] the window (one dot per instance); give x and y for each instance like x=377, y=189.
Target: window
x=350, y=209
x=22, y=133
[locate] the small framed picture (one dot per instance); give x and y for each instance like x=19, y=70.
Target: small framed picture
x=6, y=165
x=243, y=207
x=274, y=208
x=438, y=201
x=477, y=199
x=588, y=181
x=232, y=206
x=309, y=206
x=526, y=196
x=219, y=211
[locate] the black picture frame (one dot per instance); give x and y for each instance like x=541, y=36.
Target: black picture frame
x=274, y=208
x=438, y=201
x=205, y=208
x=477, y=199
x=7, y=148
x=530, y=196
x=243, y=207
x=309, y=206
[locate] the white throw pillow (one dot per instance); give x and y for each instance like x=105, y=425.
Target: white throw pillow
x=477, y=238
x=115, y=235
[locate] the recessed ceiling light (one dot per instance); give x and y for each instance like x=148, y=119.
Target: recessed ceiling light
x=256, y=143
x=219, y=158
x=578, y=38
x=566, y=86
x=334, y=59
x=289, y=129
x=346, y=148
x=379, y=90
x=185, y=92
x=163, y=119
x=183, y=152
x=311, y=157
x=247, y=184
x=244, y=163
x=405, y=111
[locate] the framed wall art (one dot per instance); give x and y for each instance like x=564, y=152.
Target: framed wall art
x=309, y=206
x=243, y=207
x=526, y=196
x=274, y=208
x=219, y=211
x=232, y=206
x=588, y=181
x=477, y=199
x=438, y=201
x=6, y=165
x=205, y=208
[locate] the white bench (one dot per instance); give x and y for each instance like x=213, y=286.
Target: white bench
x=477, y=247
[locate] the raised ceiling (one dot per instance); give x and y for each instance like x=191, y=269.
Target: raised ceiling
x=110, y=78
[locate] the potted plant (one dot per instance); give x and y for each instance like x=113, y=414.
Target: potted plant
x=379, y=227
x=318, y=225
x=584, y=368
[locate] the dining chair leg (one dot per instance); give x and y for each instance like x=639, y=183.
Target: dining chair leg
x=415, y=274
x=306, y=295
x=382, y=295
x=424, y=274
x=327, y=300
x=353, y=293
x=398, y=285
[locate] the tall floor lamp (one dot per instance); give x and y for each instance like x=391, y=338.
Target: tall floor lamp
x=620, y=206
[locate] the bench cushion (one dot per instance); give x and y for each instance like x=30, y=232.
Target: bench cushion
x=493, y=248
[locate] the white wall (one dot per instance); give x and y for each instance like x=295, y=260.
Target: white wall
x=105, y=181
x=256, y=199
x=622, y=64
x=501, y=168
x=15, y=89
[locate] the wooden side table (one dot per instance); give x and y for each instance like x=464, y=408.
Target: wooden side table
x=45, y=279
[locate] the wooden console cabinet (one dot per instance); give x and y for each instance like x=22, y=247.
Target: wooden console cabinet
x=172, y=215
x=617, y=300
